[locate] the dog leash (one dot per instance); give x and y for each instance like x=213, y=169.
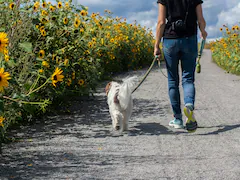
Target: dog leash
x=198, y=65
x=148, y=71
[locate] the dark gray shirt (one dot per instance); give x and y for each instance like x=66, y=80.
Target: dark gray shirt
x=176, y=9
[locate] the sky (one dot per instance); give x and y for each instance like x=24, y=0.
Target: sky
x=145, y=12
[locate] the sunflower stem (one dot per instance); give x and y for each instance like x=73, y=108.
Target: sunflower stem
x=38, y=87
x=33, y=85
x=23, y=102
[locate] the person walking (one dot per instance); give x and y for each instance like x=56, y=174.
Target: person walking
x=180, y=44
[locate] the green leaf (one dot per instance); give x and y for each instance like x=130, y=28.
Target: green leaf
x=26, y=46
x=35, y=21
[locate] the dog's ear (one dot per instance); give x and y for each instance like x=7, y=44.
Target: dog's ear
x=107, y=88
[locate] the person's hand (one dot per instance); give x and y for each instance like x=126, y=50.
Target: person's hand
x=204, y=34
x=157, y=52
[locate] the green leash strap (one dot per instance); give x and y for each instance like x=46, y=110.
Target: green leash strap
x=148, y=71
x=198, y=65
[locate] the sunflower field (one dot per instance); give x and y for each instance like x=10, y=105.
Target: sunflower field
x=51, y=50
x=226, y=51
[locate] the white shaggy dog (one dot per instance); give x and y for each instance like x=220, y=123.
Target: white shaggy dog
x=119, y=99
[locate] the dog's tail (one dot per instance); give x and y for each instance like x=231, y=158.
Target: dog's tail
x=125, y=91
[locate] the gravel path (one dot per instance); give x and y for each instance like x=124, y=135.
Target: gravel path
x=81, y=145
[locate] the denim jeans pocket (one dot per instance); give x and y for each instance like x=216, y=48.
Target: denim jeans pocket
x=190, y=45
x=169, y=45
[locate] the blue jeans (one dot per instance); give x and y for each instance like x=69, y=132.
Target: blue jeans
x=182, y=50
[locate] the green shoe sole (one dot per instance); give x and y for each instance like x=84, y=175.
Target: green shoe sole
x=191, y=124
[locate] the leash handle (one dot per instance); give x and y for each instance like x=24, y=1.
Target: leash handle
x=198, y=65
x=201, y=48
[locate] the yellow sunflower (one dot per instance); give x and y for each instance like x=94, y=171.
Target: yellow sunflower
x=37, y=3
x=73, y=75
x=11, y=5
x=65, y=20
x=81, y=30
x=44, y=13
x=41, y=54
x=83, y=12
x=52, y=8
x=87, y=52
x=5, y=52
x=67, y=5
x=36, y=6
x=6, y=57
x=54, y=57
x=4, y=77
x=40, y=70
x=112, y=40
x=59, y=5
x=66, y=62
x=45, y=64
x=44, y=4
x=57, y=76
x=69, y=82
x=41, y=28
x=81, y=82
x=44, y=20
x=3, y=41
x=1, y=121
x=90, y=44
x=93, y=15
x=77, y=22
x=44, y=33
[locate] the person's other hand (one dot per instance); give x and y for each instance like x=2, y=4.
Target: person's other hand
x=204, y=34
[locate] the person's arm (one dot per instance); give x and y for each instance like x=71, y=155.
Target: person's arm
x=160, y=27
x=201, y=21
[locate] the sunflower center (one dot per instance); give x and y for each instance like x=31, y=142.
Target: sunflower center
x=0, y=78
x=0, y=42
x=55, y=77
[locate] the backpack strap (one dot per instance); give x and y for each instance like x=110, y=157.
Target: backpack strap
x=186, y=15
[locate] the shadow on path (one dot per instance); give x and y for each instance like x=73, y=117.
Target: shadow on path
x=91, y=119
x=153, y=129
x=221, y=129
